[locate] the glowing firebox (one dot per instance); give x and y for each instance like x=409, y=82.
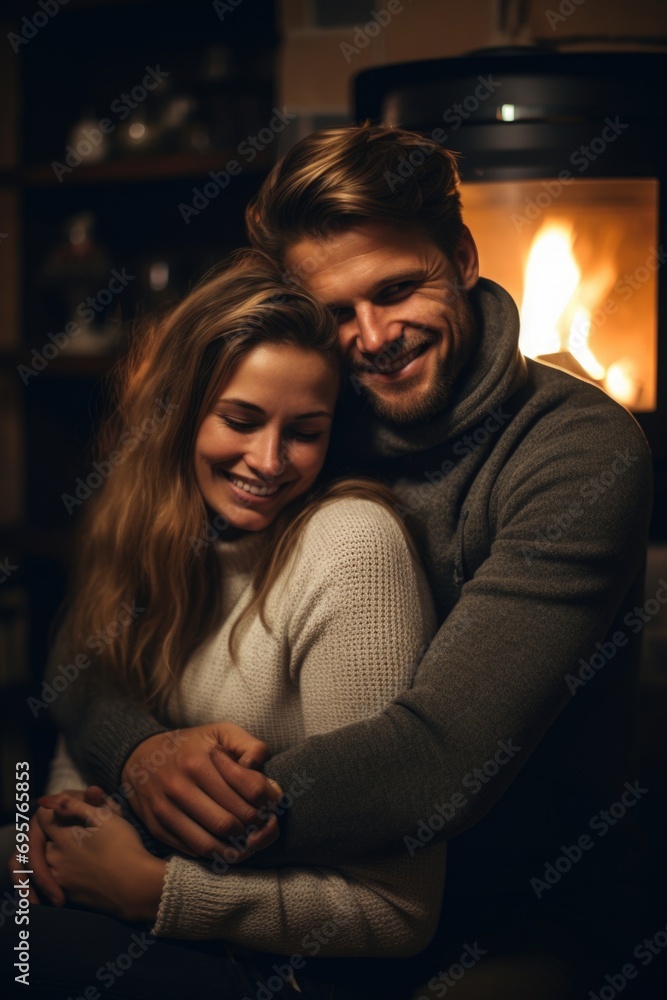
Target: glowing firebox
x=580, y=260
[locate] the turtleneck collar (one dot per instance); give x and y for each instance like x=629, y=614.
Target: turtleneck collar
x=496, y=371
x=239, y=555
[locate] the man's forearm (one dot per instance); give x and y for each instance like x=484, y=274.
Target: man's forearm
x=101, y=725
x=447, y=749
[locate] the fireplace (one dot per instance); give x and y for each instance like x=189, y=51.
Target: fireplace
x=563, y=167
x=583, y=271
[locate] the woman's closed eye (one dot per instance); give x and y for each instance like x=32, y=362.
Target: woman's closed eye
x=304, y=435
x=237, y=425
x=246, y=427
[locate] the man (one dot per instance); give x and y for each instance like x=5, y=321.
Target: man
x=530, y=490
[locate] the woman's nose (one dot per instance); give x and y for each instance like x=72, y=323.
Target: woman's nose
x=268, y=457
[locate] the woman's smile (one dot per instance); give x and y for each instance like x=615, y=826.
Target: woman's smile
x=265, y=438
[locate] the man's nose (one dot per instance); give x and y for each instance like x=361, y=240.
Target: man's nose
x=374, y=332
x=268, y=456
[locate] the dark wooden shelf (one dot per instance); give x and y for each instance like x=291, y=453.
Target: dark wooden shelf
x=133, y=169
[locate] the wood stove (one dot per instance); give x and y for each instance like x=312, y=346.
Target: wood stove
x=564, y=168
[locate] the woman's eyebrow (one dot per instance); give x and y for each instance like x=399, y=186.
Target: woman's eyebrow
x=258, y=409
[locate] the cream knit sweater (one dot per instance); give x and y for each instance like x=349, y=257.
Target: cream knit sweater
x=351, y=615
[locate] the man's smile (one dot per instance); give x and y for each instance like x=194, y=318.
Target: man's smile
x=391, y=369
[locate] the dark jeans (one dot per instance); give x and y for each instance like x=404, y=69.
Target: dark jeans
x=77, y=954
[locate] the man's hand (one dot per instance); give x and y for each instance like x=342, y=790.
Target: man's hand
x=195, y=787
x=42, y=877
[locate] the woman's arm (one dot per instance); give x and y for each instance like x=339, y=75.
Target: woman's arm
x=63, y=773
x=356, y=599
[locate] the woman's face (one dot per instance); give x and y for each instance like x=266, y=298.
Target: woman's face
x=265, y=437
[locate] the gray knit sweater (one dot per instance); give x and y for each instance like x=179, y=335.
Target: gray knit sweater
x=532, y=491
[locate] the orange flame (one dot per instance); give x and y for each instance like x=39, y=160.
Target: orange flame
x=557, y=306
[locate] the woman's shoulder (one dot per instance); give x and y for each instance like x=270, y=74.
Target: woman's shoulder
x=353, y=525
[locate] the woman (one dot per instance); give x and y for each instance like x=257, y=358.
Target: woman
x=309, y=611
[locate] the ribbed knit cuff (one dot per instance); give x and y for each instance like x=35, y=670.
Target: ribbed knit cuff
x=191, y=905
x=123, y=727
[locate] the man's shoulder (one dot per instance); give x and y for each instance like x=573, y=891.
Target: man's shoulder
x=568, y=439
x=578, y=409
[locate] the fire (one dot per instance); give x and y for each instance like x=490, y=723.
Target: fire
x=550, y=281
x=557, y=307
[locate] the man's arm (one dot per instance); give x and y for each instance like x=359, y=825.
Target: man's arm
x=101, y=725
x=496, y=673
x=119, y=745
x=496, y=670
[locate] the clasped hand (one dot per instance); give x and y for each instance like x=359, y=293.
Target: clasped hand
x=192, y=789
x=98, y=859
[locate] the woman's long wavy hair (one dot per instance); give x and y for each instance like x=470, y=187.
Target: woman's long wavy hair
x=144, y=535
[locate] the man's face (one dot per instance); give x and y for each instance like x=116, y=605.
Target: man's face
x=405, y=321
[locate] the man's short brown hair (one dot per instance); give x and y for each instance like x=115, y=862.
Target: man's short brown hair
x=338, y=178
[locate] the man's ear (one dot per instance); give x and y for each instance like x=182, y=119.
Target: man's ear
x=466, y=259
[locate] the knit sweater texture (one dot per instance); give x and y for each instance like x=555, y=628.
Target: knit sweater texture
x=532, y=491
x=350, y=616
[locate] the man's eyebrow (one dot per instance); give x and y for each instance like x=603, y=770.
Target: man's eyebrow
x=258, y=409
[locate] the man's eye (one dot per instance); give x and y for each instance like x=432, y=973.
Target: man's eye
x=398, y=290
x=342, y=314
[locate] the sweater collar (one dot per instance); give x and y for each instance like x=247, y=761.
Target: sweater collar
x=496, y=372
x=239, y=555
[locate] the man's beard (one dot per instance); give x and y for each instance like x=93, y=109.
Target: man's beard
x=405, y=406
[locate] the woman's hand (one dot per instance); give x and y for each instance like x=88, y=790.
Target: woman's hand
x=195, y=787
x=98, y=859
x=42, y=877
